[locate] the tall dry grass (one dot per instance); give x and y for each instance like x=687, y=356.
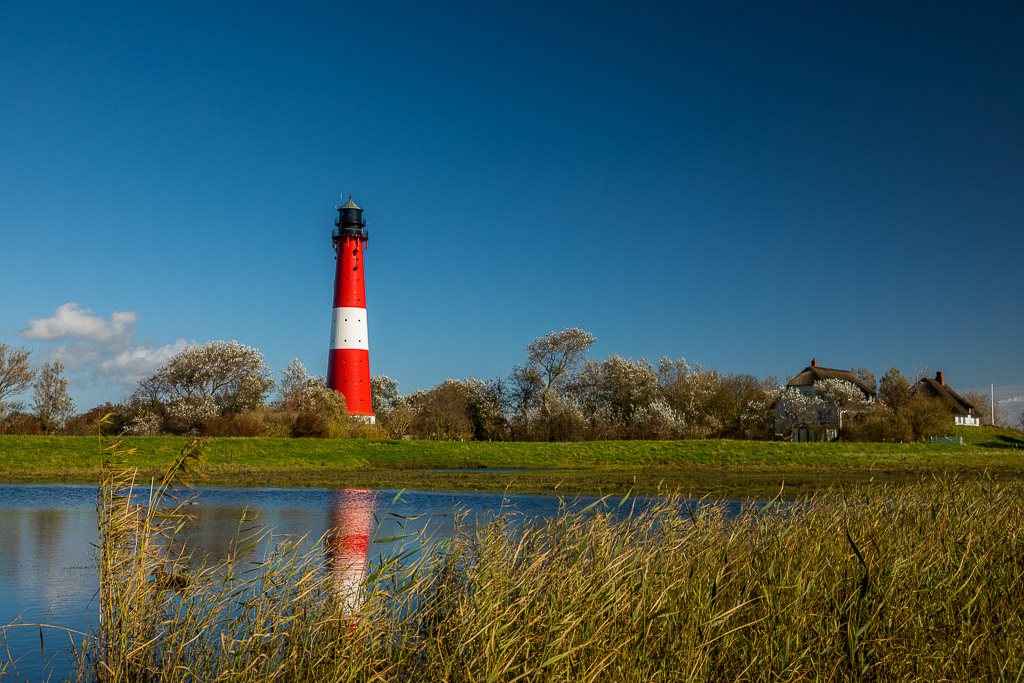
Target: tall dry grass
x=923, y=583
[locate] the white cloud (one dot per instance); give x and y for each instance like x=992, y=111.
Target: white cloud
x=138, y=362
x=70, y=320
x=101, y=356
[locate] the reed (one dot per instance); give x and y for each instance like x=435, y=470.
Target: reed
x=875, y=583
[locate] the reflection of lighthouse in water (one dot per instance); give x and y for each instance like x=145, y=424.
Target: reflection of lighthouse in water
x=348, y=544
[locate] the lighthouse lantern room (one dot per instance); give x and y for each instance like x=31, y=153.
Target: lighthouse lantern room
x=348, y=363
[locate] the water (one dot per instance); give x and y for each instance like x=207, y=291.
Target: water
x=48, y=536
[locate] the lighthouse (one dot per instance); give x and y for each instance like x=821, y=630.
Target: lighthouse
x=348, y=362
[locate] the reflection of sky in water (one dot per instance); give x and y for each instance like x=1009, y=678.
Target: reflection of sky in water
x=47, y=567
x=47, y=537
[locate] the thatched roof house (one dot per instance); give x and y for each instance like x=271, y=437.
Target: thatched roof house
x=937, y=388
x=814, y=373
x=824, y=422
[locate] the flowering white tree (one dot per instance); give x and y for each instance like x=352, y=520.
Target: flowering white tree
x=555, y=356
x=295, y=381
x=383, y=395
x=658, y=420
x=189, y=414
x=690, y=389
x=828, y=401
x=202, y=382
x=794, y=408
x=845, y=398
x=617, y=387
x=145, y=423
x=305, y=393
x=232, y=375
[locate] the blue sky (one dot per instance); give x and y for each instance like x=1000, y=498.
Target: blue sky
x=747, y=185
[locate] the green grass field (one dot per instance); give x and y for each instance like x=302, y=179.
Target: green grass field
x=712, y=466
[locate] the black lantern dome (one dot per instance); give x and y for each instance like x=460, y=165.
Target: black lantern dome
x=350, y=220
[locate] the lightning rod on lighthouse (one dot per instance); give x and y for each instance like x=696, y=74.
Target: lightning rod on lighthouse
x=348, y=362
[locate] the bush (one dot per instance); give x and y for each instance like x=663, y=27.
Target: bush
x=21, y=424
x=237, y=424
x=84, y=424
x=308, y=425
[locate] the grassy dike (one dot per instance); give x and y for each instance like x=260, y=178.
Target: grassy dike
x=715, y=467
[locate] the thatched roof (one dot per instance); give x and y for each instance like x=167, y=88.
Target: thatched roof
x=814, y=373
x=932, y=387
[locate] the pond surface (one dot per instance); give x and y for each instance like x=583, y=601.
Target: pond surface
x=48, y=536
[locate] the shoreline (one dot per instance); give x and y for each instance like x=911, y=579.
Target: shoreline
x=719, y=468
x=733, y=484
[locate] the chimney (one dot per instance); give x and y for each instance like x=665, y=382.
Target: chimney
x=940, y=378
x=814, y=363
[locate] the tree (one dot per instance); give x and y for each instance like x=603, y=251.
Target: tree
x=740, y=406
x=454, y=410
x=232, y=375
x=85, y=424
x=53, y=405
x=309, y=396
x=15, y=375
x=486, y=412
x=616, y=388
x=845, y=398
x=926, y=416
x=880, y=424
x=894, y=390
x=864, y=375
x=383, y=395
x=556, y=355
x=657, y=420
x=295, y=381
x=397, y=423
x=794, y=408
x=524, y=387
x=202, y=382
x=442, y=413
x=690, y=390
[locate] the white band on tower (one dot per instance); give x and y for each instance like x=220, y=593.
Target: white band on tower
x=348, y=328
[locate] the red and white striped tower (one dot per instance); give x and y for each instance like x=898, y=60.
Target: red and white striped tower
x=348, y=365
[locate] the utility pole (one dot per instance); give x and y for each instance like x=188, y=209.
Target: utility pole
x=992, y=405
